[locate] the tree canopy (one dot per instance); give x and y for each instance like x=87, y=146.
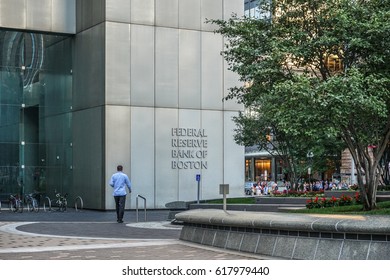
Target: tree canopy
x=315, y=75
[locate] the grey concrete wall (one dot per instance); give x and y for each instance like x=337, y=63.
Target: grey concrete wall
x=39, y=15
x=143, y=68
x=88, y=156
x=88, y=124
x=140, y=69
x=89, y=13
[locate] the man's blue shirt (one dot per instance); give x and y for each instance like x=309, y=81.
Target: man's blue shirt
x=119, y=181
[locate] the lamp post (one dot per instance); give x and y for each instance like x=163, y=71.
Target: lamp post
x=309, y=156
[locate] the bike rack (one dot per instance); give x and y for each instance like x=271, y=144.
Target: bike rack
x=136, y=206
x=78, y=201
x=48, y=200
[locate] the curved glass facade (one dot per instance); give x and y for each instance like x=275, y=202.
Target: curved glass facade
x=35, y=112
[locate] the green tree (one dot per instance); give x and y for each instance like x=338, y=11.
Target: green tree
x=318, y=71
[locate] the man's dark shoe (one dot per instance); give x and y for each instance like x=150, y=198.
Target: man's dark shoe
x=120, y=221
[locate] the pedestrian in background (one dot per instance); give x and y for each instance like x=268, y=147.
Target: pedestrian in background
x=119, y=181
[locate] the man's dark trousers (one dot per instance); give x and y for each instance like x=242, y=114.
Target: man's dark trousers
x=120, y=202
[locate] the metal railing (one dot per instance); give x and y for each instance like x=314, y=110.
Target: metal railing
x=136, y=206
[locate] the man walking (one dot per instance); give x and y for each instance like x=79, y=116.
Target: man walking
x=119, y=181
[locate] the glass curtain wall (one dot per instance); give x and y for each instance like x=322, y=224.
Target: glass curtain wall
x=35, y=113
x=253, y=9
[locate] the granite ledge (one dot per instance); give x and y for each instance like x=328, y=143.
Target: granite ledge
x=287, y=221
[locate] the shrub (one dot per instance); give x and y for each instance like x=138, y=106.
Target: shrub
x=333, y=201
x=357, y=198
x=295, y=193
x=345, y=200
x=313, y=203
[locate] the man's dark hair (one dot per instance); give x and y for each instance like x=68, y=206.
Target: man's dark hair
x=119, y=168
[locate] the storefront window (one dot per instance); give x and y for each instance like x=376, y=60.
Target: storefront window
x=263, y=169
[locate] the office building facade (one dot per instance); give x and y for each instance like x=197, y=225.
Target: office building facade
x=86, y=85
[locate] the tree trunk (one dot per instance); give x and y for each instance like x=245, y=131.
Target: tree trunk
x=368, y=185
x=370, y=199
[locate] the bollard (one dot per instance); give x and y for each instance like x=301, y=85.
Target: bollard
x=224, y=190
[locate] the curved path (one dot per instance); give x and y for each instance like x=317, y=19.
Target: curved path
x=93, y=235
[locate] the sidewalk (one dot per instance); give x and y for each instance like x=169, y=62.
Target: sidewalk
x=95, y=235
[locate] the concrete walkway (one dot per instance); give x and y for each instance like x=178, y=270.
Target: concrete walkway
x=95, y=235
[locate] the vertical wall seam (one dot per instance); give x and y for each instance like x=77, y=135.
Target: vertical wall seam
x=104, y=201
x=130, y=104
x=223, y=105
x=178, y=87
x=200, y=87
x=154, y=107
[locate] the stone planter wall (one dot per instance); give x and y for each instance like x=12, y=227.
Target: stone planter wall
x=290, y=236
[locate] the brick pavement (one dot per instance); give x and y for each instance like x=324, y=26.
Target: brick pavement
x=92, y=235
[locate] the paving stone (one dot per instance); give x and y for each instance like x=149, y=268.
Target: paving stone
x=93, y=235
